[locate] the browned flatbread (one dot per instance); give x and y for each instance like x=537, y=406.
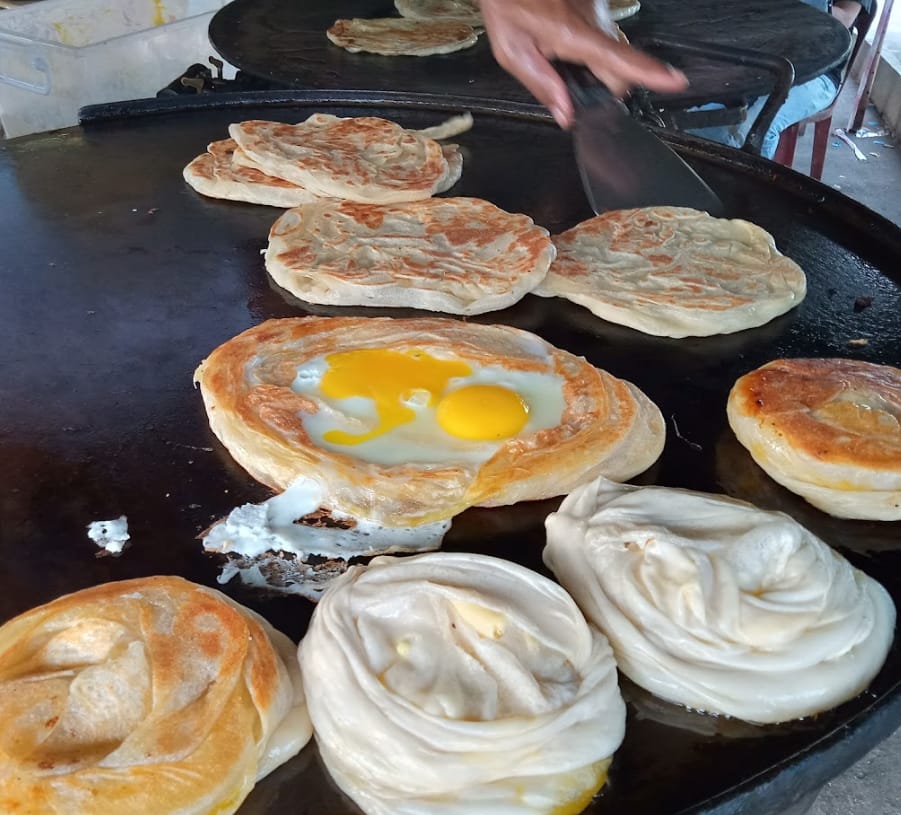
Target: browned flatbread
x=397, y=36
x=456, y=255
x=148, y=695
x=606, y=426
x=217, y=174
x=364, y=158
x=828, y=430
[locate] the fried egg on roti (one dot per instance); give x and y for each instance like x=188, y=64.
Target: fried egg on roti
x=407, y=422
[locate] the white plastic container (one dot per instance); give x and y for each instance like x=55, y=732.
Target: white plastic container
x=58, y=55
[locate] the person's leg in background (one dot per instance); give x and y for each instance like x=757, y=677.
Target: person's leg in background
x=803, y=100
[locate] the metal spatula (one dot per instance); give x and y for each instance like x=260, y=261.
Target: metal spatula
x=622, y=164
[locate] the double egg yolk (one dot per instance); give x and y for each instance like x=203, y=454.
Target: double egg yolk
x=400, y=383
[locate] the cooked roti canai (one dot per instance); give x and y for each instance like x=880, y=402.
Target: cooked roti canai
x=217, y=175
x=674, y=272
x=454, y=683
x=147, y=695
x=456, y=255
x=714, y=604
x=363, y=158
x=465, y=11
x=826, y=429
x=399, y=36
x=225, y=172
x=411, y=421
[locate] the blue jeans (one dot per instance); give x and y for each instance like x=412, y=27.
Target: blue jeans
x=802, y=101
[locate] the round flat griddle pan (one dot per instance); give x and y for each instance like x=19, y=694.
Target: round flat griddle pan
x=284, y=42
x=118, y=279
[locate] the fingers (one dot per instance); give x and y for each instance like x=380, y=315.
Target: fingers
x=520, y=57
x=526, y=34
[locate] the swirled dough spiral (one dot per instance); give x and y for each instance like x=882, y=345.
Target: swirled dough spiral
x=715, y=604
x=454, y=683
x=148, y=695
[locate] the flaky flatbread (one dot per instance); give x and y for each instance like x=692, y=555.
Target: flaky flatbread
x=456, y=255
x=364, y=159
x=217, y=175
x=826, y=429
x=398, y=36
x=265, y=400
x=674, y=272
x=147, y=695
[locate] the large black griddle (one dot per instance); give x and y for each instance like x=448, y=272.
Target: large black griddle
x=118, y=279
x=284, y=42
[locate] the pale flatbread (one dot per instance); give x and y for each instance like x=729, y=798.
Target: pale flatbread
x=826, y=429
x=398, y=36
x=717, y=605
x=674, y=272
x=217, y=174
x=456, y=255
x=465, y=11
x=364, y=159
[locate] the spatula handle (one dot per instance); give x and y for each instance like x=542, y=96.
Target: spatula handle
x=584, y=87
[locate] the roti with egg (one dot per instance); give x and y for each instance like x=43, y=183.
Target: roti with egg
x=674, y=272
x=827, y=429
x=398, y=36
x=407, y=422
x=455, y=255
x=363, y=158
x=147, y=695
x=449, y=683
x=717, y=605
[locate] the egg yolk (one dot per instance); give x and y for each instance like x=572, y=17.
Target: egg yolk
x=392, y=379
x=402, y=382
x=482, y=413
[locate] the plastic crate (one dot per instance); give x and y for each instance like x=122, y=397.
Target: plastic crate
x=58, y=55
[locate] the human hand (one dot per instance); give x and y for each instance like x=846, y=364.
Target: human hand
x=526, y=34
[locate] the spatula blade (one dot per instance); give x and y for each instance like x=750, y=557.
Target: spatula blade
x=623, y=165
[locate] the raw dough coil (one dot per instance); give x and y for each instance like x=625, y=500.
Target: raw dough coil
x=452, y=683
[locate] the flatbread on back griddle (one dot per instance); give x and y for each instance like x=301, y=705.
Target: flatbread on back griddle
x=364, y=158
x=456, y=255
x=674, y=272
x=398, y=36
x=620, y=9
x=464, y=11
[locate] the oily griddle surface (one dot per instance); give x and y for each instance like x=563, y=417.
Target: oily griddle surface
x=117, y=279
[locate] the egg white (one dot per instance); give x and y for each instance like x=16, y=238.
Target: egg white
x=422, y=440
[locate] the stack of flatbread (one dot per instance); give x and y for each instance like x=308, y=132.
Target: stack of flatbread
x=363, y=159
